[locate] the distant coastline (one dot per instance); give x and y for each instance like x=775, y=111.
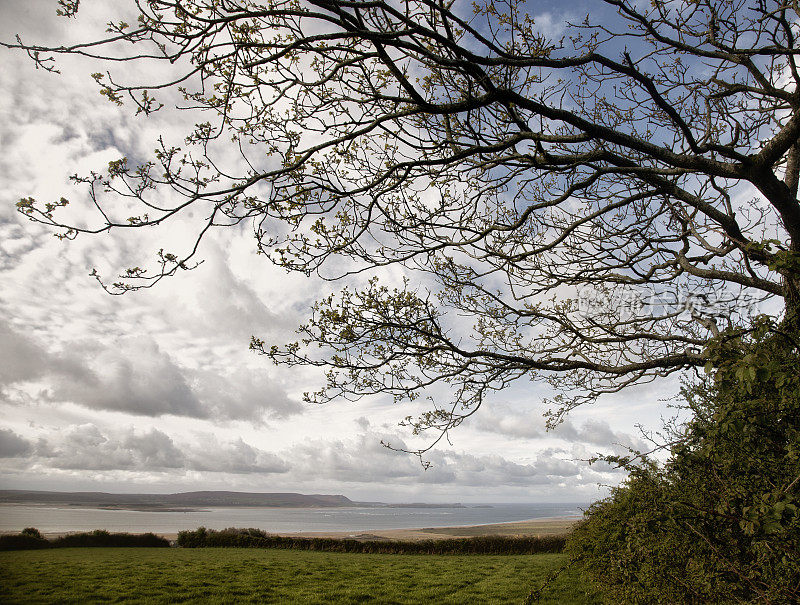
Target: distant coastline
x=552, y=526
x=196, y=501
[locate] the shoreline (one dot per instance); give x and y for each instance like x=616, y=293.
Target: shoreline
x=202, y=508
x=547, y=526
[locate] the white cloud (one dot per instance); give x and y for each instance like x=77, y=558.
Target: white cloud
x=172, y=364
x=362, y=459
x=87, y=448
x=531, y=425
x=237, y=457
x=356, y=463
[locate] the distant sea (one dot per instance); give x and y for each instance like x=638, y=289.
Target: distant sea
x=279, y=520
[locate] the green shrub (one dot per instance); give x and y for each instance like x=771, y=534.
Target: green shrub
x=30, y=538
x=23, y=541
x=255, y=538
x=720, y=521
x=100, y=537
x=31, y=531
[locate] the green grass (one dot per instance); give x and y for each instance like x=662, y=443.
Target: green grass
x=223, y=575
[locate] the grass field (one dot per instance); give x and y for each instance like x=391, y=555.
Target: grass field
x=222, y=575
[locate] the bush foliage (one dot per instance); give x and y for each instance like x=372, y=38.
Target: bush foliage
x=101, y=537
x=256, y=538
x=720, y=521
x=22, y=541
x=30, y=538
x=484, y=545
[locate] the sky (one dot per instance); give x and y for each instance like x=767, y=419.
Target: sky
x=156, y=390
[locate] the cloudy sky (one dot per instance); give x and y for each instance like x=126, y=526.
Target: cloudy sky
x=157, y=390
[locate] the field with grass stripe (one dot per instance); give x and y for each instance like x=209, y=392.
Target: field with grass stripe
x=226, y=575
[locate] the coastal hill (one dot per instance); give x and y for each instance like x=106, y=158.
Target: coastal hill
x=191, y=499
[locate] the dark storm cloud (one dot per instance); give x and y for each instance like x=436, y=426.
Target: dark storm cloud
x=134, y=375
x=12, y=445
x=138, y=377
x=88, y=448
x=22, y=359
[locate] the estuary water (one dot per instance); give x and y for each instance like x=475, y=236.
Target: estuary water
x=279, y=520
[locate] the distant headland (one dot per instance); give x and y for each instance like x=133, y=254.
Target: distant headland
x=184, y=501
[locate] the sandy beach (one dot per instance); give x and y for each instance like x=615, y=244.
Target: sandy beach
x=532, y=527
